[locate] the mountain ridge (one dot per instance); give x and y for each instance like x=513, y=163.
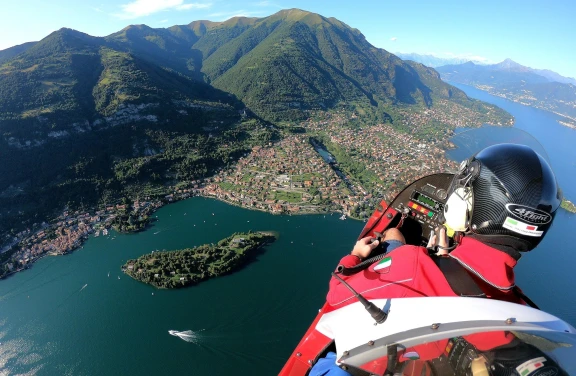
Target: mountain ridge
x=432, y=60
x=518, y=83
x=87, y=120
x=435, y=62
x=512, y=66
x=332, y=63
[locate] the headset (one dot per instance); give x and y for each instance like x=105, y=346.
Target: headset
x=460, y=204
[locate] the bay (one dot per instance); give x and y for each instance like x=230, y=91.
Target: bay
x=244, y=323
x=249, y=320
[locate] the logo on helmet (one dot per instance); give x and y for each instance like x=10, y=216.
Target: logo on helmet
x=529, y=214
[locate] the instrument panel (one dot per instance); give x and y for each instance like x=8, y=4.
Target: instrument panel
x=423, y=203
x=417, y=210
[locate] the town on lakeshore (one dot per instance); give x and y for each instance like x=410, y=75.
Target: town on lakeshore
x=295, y=175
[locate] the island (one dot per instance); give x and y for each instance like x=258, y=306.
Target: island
x=568, y=205
x=180, y=268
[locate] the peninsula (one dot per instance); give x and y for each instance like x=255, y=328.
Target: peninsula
x=568, y=205
x=180, y=268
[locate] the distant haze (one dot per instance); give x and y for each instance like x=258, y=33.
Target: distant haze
x=532, y=87
x=507, y=64
x=435, y=61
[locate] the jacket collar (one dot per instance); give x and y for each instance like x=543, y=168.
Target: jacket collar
x=489, y=264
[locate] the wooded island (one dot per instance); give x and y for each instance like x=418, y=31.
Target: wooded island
x=180, y=268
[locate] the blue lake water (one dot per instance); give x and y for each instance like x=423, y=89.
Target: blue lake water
x=547, y=273
x=244, y=323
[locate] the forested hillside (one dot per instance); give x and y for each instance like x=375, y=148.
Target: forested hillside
x=86, y=121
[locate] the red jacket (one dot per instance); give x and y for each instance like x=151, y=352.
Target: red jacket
x=410, y=272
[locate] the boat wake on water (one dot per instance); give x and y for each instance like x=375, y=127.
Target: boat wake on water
x=186, y=335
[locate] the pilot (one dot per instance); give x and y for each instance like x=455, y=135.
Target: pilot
x=500, y=204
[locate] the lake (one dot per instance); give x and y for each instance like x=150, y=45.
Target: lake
x=79, y=315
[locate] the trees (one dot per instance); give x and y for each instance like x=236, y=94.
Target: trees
x=196, y=264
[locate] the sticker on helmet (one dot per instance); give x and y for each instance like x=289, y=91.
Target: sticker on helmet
x=521, y=227
x=528, y=214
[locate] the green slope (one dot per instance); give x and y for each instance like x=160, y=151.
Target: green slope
x=296, y=60
x=87, y=120
x=9, y=53
x=81, y=122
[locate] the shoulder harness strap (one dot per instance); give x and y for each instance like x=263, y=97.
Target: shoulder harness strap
x=460, y=281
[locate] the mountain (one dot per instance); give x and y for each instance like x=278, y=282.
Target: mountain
x=433, y=61
x=279, y=66
x=83, y=122
x=71, y=78
x=13, y=51
x=88, y=120
x=553, y=76
x=283, y=65
x=538, y=88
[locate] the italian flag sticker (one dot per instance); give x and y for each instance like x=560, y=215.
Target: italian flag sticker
x=530, y=366
x=412, y=355
x=384, y=263
x=521, y=227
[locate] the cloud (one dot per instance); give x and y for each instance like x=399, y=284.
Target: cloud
x=393, y=39
x=194, y=6
x=141, y=8
x=238, y=13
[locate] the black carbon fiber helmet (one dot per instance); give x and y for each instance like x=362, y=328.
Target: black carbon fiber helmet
x=507, y=190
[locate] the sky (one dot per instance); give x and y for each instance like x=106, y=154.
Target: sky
x=539, y=34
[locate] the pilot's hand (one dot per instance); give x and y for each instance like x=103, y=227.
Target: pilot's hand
x=364, y=246
x=440, y=239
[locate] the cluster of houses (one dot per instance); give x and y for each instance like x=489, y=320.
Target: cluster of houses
x=286, y=177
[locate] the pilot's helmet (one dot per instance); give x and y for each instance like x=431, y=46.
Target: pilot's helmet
x=507, y=193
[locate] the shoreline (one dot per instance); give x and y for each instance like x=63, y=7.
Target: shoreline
x=567, y=124
x=80, y=242
x=568, y=206
x=503, y=96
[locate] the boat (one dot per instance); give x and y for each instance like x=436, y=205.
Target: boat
x=343, y=217
x=411, y=336
x=105, y=232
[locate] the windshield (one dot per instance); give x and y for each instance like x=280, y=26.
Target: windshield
x=467, y=143
x=444, y=329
